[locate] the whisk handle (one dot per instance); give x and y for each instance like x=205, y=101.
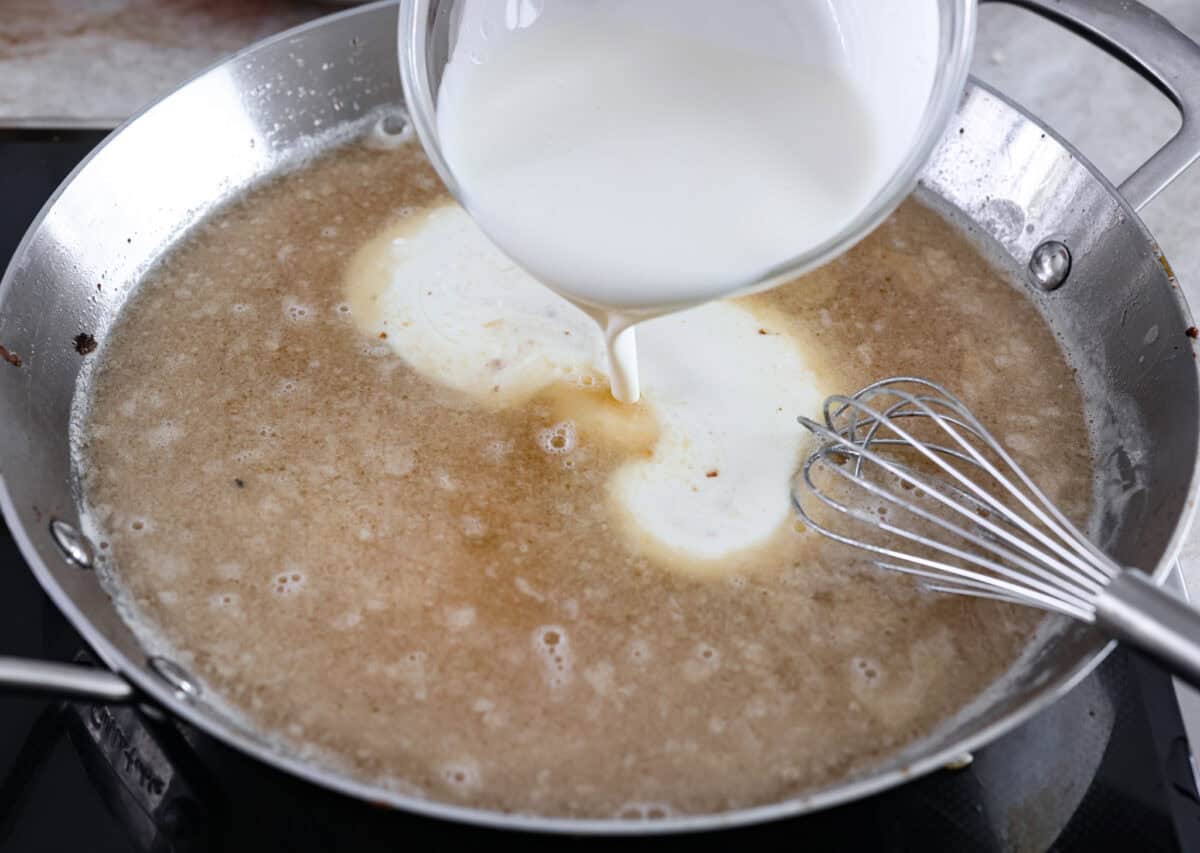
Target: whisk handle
x=1135, y=611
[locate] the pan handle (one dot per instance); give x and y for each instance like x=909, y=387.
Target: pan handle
x=64, y=679
x=1136, y=611
x=1151, y=45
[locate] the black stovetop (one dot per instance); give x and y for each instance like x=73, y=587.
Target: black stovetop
x=1106, y=768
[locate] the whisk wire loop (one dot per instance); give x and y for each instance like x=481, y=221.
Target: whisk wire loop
x=1080, y=557
x=980, y=586
x=1046, y=581
x=1007, y=540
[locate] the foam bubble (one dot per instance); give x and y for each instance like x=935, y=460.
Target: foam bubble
x=496, y=451
x=399, y=461
x=401, y=786
x=487, y=711
x=865, y=672
x=585, y=379
x=473, y=527
x=643, y=811
x=462, y=775
x=703, y=663
x=164, y=435
x=226, y=600
x=286, y=387
x=756, y=708
x=176, y=360
x=600, y=677
x=561, y=438
x=410, y=670
x=288, y=582
x=460, y=618
x=526, y=588
x=553, y=647
x=208, y=309
x=297, y=311
x=754, y=652
x=1018, y=442
x=171, y=567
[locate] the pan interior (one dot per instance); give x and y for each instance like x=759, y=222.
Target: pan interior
x=382, y=576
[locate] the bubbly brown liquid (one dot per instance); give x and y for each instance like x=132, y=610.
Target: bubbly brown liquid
x=403, y=585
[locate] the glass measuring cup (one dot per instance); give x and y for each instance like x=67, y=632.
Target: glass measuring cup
x=908, y=60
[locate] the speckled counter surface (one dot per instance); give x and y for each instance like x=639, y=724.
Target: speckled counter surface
x=95, y=62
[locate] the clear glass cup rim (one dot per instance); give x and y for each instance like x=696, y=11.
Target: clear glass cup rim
x=417, y=22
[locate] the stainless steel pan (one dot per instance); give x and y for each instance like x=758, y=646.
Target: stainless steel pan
x=1032, y=202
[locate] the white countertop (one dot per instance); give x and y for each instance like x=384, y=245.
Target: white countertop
x=93, y=63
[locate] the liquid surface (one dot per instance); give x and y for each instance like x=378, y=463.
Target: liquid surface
x=399, y=581
x=703, y=147
x=714, y=441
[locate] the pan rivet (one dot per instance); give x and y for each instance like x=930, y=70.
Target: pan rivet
x=390, y=131
x=394, y=124
x=960, y=762
x=177, y=677
x=1050, y=265
x=73, y=544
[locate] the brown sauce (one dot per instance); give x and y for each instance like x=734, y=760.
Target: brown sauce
x=402, y=585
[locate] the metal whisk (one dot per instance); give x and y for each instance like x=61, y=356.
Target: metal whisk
x=905, y=471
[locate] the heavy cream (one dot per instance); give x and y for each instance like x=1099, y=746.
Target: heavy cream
x=721, y=388
x=641, y=158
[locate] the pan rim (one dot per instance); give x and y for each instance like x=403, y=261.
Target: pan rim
x=224, y=731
